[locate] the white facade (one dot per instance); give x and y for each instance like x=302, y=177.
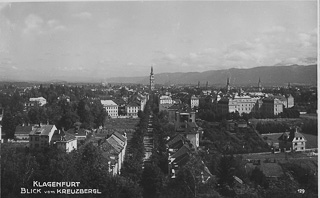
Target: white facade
x=67, y=146
x=165, y=100
x=132, y=110
x=41, y=136
x=194, y=102
x=111, y=108
x=41, y=100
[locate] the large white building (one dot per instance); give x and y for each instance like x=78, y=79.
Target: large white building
x=132, y=109
x=40, y=100
x=194, y=101
x=111, y=108
x=165, y=100
x=41, y=136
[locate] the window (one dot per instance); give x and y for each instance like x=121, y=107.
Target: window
x=37, y=138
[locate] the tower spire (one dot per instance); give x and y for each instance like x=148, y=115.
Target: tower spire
x=151, y=79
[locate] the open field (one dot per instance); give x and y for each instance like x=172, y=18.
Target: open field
x=121, y=123
x=309, y=116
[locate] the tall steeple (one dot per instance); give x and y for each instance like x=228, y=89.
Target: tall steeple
x=151, y=79
x=228, y=84
x=259, y=85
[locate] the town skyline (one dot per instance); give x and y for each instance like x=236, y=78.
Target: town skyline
x=124, y=39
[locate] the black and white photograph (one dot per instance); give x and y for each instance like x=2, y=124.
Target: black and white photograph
x=159, y=99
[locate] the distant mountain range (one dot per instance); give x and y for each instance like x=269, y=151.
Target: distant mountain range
x=269, y=75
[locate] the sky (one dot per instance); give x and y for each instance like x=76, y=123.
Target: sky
x=76, y=41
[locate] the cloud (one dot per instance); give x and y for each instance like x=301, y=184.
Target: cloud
x=4, y=5
x=274, y=29
x=55, y=25
x=33, y=24
x=83, y=15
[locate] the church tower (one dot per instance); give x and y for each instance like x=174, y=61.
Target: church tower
x=259, y=85
x=151, y=80
x=228, y=85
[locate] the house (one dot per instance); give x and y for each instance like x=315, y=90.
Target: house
x=122, y=140
x=22, y=133
x=41, y=136
x=111, y=108
x=292, y=141
x=113, y=155
x=64, y=141
x=40, y=100
x=194, y=101
x=118, y=148
x=132, y=109
x=165, y=102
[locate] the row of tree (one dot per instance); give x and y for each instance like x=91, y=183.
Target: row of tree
x=63, y=114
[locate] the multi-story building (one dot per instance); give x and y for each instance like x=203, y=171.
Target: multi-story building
x=111, y=108
x=194, y=101
x=64, y=141
x=40, y=100
x=241, y=104
x=41, y=136
x=132, y=109
x=292, y=141
x=165, y=102
x=22, y=133
x=271, y=106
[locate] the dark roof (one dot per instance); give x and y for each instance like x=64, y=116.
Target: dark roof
x=176, y=139
x=133, y=104
x=183, y=150
x=63, y=136
x=107, y=148
x=121, y=137
x=77, y=132
x=23, y=130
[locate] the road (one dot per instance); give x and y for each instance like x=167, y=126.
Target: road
x=148, y=141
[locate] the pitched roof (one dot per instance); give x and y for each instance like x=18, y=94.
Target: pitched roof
x=133, y=104
x=108, y=103
x=63, y=136
x=121, y=137
x=115, y=143
x=183, y=150
x=177, y=142
x=23, y=130
x=41, y=130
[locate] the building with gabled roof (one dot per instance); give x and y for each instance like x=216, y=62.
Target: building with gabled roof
x=194, y=101
x=41, y=136
x=111, y=108
x=64, y=141
x=292, y=141
x=132, y=109
x=22, y=133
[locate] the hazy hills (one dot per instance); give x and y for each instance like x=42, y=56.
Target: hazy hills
x=269, y=75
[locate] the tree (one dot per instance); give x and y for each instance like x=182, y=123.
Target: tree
x=8, y=124
x=259, y=178
x=152, y=181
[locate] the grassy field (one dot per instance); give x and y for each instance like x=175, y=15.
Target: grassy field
x=125, y=123
x=312, y=141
